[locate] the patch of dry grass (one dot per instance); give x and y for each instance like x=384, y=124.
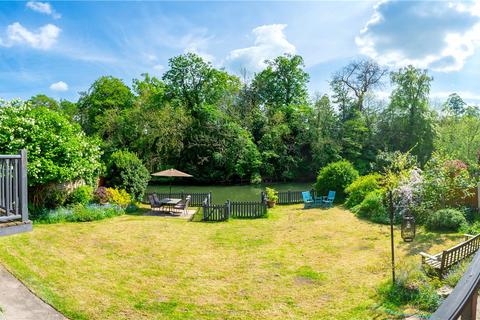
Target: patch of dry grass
x=297, y=264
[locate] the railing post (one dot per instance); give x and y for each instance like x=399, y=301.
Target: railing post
x=469, y=311
x=228, y=209
x=23, y=185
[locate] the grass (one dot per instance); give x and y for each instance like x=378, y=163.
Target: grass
x=297, y=264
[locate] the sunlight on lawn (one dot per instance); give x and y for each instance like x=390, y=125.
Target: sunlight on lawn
x=319, y=264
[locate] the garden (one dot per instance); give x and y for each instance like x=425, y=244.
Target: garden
x=98, y=252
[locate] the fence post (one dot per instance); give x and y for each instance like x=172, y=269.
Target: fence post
x=227, y=204
x=23, y=185
x=289, y=197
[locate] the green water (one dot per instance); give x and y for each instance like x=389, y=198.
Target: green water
x=221, y=193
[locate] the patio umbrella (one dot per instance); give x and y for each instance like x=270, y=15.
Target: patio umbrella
x=172, y=173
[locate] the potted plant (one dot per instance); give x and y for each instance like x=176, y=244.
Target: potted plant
x=272, y=197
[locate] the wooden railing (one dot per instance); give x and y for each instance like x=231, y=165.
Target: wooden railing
x=13, y=187
x=462, y=302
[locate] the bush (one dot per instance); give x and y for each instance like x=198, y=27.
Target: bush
x=272, y=194
x=446, y=220
x=359, y=188
x=101, y=195
x=372, y=208
x=81, y=195
x=118, y=197
x=412, y=288
x=336, y=177
x=126, y=171
x=78, y=213
x=55, y=198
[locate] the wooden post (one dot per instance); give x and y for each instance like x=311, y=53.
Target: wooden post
x=23, y=185
x=469, y=311
x=392, y=243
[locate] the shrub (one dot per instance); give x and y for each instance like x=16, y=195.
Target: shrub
x=272, y=194
x=126, y=171
x=411, y=288
x=101, y=195
x=55, y=198
x=359, y=188
x=372, y=208
x=119, y=197
x=78, y=213
x=82, y=195
x=446, y=220
x=336, y=176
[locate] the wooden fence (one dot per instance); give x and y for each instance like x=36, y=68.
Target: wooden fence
x=235, y=209
x=13, y=187
x=289, y=197
x=196, y=201
x=248, y=209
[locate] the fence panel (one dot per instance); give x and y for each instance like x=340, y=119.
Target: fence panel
x=215, y=212
x=248, y=209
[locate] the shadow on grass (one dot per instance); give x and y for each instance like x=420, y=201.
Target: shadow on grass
x=426, y=240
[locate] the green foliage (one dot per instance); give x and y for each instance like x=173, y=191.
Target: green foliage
x=407, y=123
x=126, y=171
x=359, y=188
x=118, y=197
x=81, y=195
x=412, y=288
x=105, y=94
x=372, y=207
x=446, y=220
x=54, y=198
x=272, y=194
x=58, y=150
x=78, y=213
x=336, y=177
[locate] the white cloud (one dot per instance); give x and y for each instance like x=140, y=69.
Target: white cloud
x=43, y=38
x=198, y=44
x=270, y=42
x=441, y=36
x=43, y=7
x=159, y=68
x=59, y=86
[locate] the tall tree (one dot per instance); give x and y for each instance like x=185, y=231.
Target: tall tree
x=106, y=93
x=283, y=82
x=407, y=123
x=354, y=81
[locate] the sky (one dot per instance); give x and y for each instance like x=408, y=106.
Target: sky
x=60, y=48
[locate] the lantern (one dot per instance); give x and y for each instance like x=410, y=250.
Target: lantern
x=408, y=228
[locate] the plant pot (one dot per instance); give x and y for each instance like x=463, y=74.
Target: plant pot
x=270, y=203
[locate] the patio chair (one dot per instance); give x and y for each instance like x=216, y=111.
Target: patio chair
x=182, y=206
x=327, y=201
x=154, y=202
x=308, y=201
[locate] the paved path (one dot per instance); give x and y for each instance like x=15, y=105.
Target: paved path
x=18, y=303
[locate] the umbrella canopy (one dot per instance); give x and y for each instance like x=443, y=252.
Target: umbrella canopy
x=171, y=173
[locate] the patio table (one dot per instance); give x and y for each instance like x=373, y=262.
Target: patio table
x=169, y=203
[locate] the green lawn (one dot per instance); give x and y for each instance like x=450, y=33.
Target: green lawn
x=297, y=264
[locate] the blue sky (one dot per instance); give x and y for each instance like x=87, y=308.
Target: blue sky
x=60, y=48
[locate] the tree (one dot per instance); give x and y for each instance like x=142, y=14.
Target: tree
x=407, y=123
x=41, y=100
x=283, y=82
x=126, y=171
x=106, y=93
x=325, y=134
x=454, y=105
x=58, y=150
x=194, y=82
x=354, y=81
